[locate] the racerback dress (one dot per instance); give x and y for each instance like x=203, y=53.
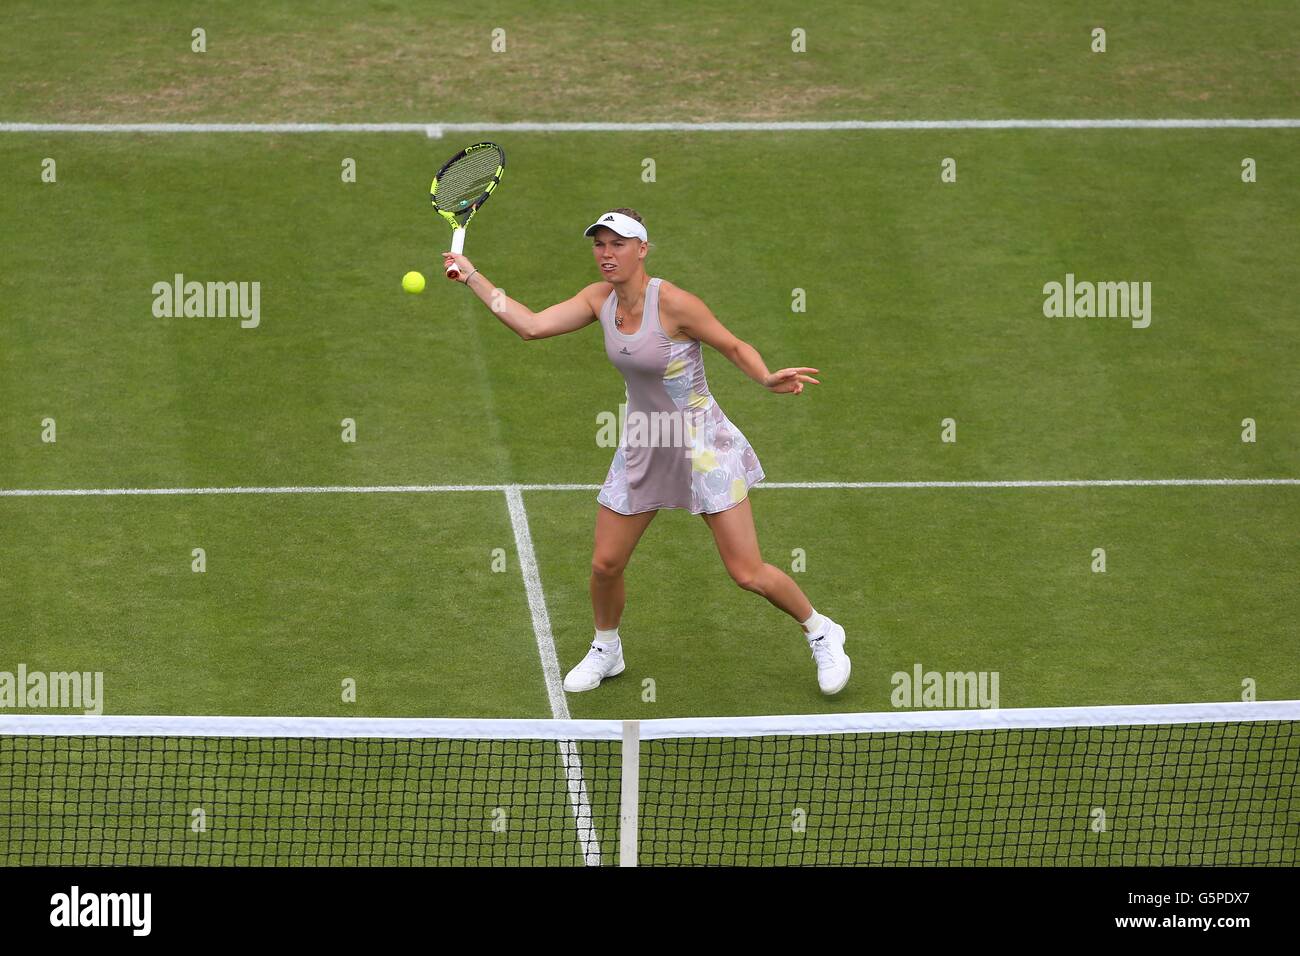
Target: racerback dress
x=676, y=449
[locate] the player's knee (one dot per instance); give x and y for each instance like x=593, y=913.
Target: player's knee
x=749, y=578
x=605, y=567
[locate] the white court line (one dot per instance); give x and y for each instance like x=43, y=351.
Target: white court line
x=1045, y=483
x=437, y=130
x=536, y=602
x=429, y=489
x=242, y=490
x=588, y=838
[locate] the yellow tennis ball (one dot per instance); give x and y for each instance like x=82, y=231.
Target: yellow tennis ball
x=413, y=282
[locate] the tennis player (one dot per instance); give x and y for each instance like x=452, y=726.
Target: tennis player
x=653, y=331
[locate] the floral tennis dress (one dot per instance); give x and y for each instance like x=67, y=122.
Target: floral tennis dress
x=677, y=449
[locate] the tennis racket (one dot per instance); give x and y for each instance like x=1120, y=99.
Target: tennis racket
x=462, y=186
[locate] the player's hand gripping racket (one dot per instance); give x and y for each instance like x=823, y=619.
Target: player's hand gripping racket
x=462, y=186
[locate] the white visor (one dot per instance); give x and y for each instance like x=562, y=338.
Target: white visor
x=625, y=226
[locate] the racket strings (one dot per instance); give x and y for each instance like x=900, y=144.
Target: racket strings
x=466, y=180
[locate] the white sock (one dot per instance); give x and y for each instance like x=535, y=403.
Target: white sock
x=815, y=625
x=608, y=639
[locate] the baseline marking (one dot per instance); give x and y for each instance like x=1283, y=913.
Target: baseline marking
x=437, y=130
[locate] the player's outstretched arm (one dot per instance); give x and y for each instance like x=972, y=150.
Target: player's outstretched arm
x=690, y=315
x=567, y=316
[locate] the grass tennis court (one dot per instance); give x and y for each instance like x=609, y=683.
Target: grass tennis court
x=919, y=320
x=924, y=303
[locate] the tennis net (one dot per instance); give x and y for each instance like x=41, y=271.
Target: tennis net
x=1186, y=784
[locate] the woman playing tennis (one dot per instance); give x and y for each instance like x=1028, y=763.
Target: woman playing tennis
x=653, y=331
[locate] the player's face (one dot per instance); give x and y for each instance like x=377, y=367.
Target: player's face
x=617, y=257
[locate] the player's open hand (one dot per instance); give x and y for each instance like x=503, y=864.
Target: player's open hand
x=464, y=267
x=790, y=380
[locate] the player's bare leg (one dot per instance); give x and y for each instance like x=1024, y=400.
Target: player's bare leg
x=616, y=538
x=737, y=541
x=733, y=531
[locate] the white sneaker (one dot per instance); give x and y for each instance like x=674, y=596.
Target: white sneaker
x=594, y=668
x=833, y=665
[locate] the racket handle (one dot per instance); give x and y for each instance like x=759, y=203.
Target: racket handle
x=457, y=246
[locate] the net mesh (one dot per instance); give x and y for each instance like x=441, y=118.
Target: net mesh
x=465, y=180
x=1183, y=794
x=179, y=801
x=1219, y=792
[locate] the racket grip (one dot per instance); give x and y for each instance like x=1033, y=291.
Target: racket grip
x=457, y=246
